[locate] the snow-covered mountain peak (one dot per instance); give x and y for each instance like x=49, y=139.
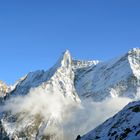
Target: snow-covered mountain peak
x=3, y=89
x=133, y=50
x=116, y=77
x=134, y=60
x=134, y=54
x=59, y=77
x=65, y=60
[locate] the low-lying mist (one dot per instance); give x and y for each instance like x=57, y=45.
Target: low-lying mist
x=73, y=118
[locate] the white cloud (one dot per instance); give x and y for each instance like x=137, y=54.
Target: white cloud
x=74, y=118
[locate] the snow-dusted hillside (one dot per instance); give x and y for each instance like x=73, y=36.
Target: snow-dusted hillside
x=117, y=77
x=125, y=125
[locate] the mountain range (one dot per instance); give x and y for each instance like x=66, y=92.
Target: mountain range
x=43, y=104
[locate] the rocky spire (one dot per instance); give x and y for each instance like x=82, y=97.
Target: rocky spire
x=65, y=60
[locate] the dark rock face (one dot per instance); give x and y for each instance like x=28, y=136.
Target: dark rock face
x=78, y=137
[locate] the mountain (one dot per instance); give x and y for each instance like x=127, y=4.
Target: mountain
x=3, y=89
x=57, y=82
x=60, y=77
x=125, y=125
x=39, y=104
x=120, y=76
x=116, y=77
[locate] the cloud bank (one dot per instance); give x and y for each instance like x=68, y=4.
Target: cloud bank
x=61, y=115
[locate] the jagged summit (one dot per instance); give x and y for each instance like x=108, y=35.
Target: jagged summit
x=3, y=88
x=66, y=52
x=65, y=60
x=134, y=55
x=134, y=50
x=59, y=77
x=116, y=77
x=134, y=61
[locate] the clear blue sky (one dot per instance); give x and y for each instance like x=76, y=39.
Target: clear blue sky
x=33, y=33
